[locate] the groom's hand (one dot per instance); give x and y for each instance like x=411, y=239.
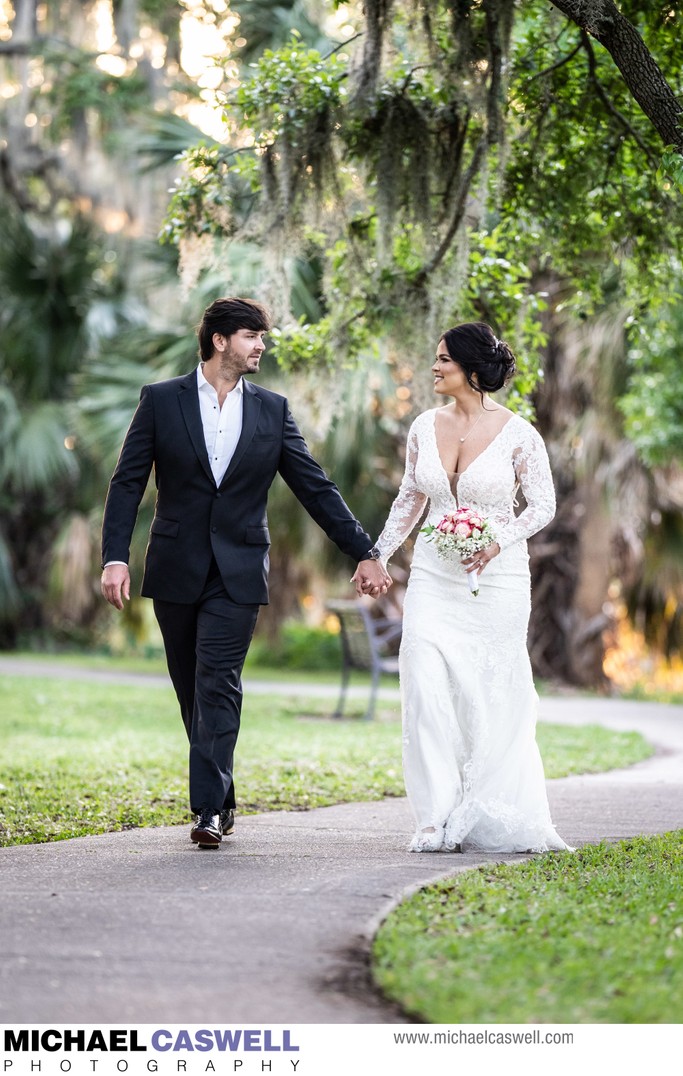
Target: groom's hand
x=371, y=578
x=115, y=584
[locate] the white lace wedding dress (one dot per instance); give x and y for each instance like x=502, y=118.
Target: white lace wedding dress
x=472, y=768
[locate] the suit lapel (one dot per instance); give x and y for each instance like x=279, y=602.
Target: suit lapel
x=251, y=407
x=188, y=398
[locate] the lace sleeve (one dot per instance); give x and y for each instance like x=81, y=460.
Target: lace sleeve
x=532, y=468
x=407, y=508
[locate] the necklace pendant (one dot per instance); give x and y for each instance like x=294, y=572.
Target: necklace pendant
x=461, y=440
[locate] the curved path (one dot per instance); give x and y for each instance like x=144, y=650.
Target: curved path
x=273, y=927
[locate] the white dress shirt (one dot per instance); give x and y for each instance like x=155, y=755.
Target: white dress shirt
x=222, y=425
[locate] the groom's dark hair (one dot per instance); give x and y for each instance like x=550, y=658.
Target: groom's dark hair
x=227, y=316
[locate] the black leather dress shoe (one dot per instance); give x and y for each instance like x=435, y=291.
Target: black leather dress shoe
x=227, y=822
x=207, y=831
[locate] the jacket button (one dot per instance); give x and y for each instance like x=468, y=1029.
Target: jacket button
x=218, y=494
x=214, y=529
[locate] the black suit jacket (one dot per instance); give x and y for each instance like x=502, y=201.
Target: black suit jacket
x=193, y=519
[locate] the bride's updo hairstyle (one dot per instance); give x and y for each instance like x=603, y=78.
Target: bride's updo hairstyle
x=477, y=350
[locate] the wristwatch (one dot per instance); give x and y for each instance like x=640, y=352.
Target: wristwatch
x=373, y=554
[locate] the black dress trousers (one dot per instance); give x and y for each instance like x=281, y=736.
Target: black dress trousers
x=206, y=643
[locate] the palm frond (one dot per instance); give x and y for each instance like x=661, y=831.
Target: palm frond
x=37, y=456
x=163, y=136
x=266, y=24
x=72, y=595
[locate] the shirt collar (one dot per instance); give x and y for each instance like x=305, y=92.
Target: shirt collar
x=204, y=385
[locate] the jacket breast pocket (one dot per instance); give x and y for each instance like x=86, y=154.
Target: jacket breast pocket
x=167, y=527
x=257, y=536
x=263, y=444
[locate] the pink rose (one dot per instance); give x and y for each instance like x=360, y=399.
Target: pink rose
x=463, y=530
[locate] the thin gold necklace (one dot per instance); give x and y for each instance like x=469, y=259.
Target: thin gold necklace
x=462, y=439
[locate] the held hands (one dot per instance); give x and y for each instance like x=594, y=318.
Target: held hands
x=115, y=584
x=371, y=578
x=478, y=561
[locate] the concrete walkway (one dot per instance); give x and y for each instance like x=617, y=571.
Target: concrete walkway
x=252, y=686
x=274, y=926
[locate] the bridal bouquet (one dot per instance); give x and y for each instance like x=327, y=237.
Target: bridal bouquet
x=460, y=534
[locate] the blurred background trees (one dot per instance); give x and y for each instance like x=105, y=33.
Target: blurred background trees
x=80, y=272
x=374, y=172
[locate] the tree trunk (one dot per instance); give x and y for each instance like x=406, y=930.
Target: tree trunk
x=377, y=15
x=125, y=23
x=25, y=21
x=641, y=73
x=571, y=559
x=588, y=620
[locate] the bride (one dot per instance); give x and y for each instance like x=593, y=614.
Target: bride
x=473, y=772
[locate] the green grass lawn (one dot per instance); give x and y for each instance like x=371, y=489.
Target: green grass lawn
x=590, y=937
x=79, y=757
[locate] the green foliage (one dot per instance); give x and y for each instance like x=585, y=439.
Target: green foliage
x=47, y=279
x=654, y=416
x=298, y=647
x=652, y=405
x=671, y=168
x=163, y=137
x=290, y=104
x=265, y=24
x=214, y=194
x=56, y=285
x=588, y=937
x=417, y=224
x=47, y=284
x=323, y=343
x=501, y=289
x=583, y=160
x=288, y=89
x=406, y=143
x=302, y=345
x=78, y=85
x=364, y=170
x=34, y=456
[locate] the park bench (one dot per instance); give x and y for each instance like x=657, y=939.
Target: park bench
x=366, y=642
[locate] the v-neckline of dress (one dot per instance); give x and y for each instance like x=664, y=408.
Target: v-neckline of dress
x=459, y=474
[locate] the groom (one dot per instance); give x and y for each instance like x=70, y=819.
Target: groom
x=216, y=442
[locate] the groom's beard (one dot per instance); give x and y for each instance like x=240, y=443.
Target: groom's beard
x=234, y=365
